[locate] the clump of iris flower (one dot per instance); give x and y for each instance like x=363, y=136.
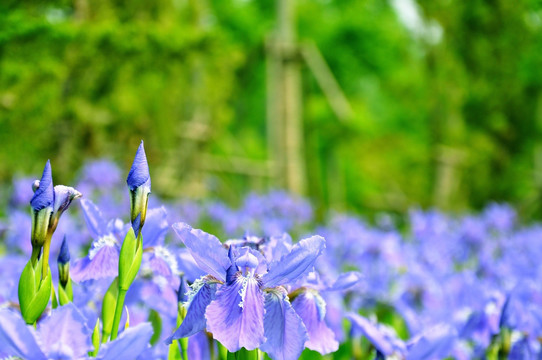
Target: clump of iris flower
x=244, y=301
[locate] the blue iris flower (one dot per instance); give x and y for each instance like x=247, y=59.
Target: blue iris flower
x=243, y=301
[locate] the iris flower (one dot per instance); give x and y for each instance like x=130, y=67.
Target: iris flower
x=244, y=302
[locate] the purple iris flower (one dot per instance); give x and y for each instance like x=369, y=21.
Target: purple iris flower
x=242, y=286
x=102, y=260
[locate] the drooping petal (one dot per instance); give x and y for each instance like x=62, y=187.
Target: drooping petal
x=206, y=249
x=64, y=195
x=296, y=263
x=65, y=335
x=129, y=345
x=44, y=195
x=94, y=218
x=311, y=307
x=155, y=228
x=283, y=329
x=16, y=338
x=201, y=295
x=198, y=347
x=235, y=317
x=102, y=262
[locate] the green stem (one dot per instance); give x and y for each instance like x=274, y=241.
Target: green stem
x=45, y=260
x=244, y=354
x=35, y=254
x=222, y=351
x=184, y=347
x=118, y=313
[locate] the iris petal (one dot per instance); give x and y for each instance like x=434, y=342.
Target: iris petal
x=206, y=249
x=296, y=263
x=200, y=297
x=235, y=317
x=94, y=218
x=65, y=335
x=198, y=347
x=16, y=338
x=103, y=263
x=311, y=308
x=284, y=330
x=129, y=345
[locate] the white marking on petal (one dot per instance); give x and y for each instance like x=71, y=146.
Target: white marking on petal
x=106, y=240
x=168, y=257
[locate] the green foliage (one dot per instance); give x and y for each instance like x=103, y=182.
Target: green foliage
x=451, y=120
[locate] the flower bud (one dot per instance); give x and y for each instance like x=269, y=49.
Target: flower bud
x=42, y=206
x=64, y=195
x=139, y=183
x=63, y=262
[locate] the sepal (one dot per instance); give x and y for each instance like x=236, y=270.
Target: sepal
x=34, y=292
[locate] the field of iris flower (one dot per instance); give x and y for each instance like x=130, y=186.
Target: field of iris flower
x=123, y=275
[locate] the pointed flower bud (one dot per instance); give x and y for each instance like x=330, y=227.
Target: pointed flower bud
x=139, y=183
x=63, y=262
x=42, y=206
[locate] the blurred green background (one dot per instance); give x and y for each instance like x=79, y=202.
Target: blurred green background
x=366, y=105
